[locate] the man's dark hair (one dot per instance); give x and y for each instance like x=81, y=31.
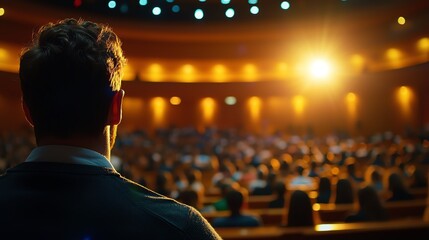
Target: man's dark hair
x=234, y=199
x=68, y=77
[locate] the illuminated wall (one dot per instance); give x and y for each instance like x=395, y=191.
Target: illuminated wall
x=367, y=104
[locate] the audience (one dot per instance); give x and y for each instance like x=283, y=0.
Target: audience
x=235, y=200
x=344, y=192
x=370, y=207
x=324, y=190
x=231, y=168
x=300, y=210
x=279, y=191
x=398, y=189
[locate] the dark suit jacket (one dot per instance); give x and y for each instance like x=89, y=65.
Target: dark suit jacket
x=70, y=201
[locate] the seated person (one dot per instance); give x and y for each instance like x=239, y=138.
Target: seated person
x=235, y=200
x=301, y=181
x=279, y=191
x=398, y=189
x=190, y=197
x=371, y=207
x=300, y=210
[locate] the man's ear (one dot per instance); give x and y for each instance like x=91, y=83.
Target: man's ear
x=27, y=113
x=115, y=111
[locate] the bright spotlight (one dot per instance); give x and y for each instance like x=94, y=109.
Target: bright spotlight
x=230, y=13
x=112, y=4
x=285, y=5
x=156, y=11
x=254, y=10
x=320, y=68
x=199, y=14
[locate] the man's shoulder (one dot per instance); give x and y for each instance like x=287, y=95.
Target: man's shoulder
x=157, y=205
x=178, y=215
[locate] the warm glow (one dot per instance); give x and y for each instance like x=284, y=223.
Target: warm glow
x=324, y=227
x=404, y=96
x=320, y=68
x=335, y=171
x=298, y=103
x=230, y=100
x=4, y=55
x=155, y=72
x=255, y=105
x=158, y=107
x=188, y=73
x=351, y=102
x=423, y=44
x=357, y=62
x=281, y=68
x=129, y=73
x=175, y=100
x=401, y=20
x=316, y=206
x=208, y=106
x=132, y=106
x=393, y=54
x=250, y=72
x=219, y=72
x=2, y=11
x=313, y=195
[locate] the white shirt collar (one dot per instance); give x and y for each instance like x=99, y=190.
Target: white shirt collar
x=68, y=154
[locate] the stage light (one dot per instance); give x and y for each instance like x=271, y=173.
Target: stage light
x=254, y=10
x=401, y=20
x=112, y=4
x=155, y=72
x=319, y=68
x=208, y=106
x=225, y=1
x=285, y=5
x=298, y=103
x=230, y=13
x=250, y=72
x=219, y=72
x=158, y=106
x=423, y=44
x=199, y=14
x=143, y=2
x=230, y=100
x=156, y=11
x=175, y=100
x=2, y=12
x=253, y=1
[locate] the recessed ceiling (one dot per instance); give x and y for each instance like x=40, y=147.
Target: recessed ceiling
x=337, y=28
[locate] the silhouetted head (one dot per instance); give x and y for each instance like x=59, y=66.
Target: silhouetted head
x=300, y=211
x=189, y=197
x=235, y=200
x=69, y=76
x=344, y=191
x=370, y=203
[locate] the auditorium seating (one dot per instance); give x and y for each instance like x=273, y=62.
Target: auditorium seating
x=397, y=229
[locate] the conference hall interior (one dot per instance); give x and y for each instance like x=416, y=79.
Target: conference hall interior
x=284, y=102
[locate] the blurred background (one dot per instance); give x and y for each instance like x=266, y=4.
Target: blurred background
x=262, y=96
x=354, y=66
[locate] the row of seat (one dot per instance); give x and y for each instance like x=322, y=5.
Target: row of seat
x=398, y=229
x=258, y=202
x=333, y=213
